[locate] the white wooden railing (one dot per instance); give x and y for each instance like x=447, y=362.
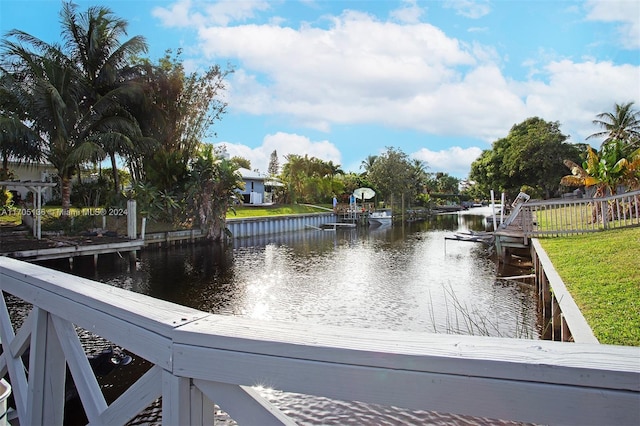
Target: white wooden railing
x=581, y=215
x=200, y=358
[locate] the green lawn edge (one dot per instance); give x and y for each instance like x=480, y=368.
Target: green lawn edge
x=601, y=271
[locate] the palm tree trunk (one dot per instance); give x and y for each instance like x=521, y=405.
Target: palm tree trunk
x=65, y=193
x=114, y=170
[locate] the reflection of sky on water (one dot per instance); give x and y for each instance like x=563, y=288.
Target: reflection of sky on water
x=400, y=277
x=390, y=278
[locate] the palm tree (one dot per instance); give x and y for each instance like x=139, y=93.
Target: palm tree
x=93, y=42
x=48, y=86
x=419, y=177
x=293, y=172
x=623, y=124
x=368, y=162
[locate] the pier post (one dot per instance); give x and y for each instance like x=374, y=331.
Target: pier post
x=131, y=219
x=143, y=228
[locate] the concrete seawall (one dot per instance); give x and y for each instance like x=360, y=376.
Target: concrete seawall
x=563, y=320
x=247, y=228
x=254, y=226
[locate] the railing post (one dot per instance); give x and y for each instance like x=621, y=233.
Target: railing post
x=47, y=371
x=183, y=403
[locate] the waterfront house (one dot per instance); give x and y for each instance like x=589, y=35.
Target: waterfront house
x=258, y=187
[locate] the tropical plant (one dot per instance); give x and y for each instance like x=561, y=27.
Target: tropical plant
x=50, y=90
x=180, y=113
x=367, y=163
x=607, y=170
x=419, y=179
x=310, y=179
x=74, y=123
x=212, y=189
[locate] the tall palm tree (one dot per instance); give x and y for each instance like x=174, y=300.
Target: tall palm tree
x=49, y=87
x=419, y=177
x=623, y=124
x=93, y=41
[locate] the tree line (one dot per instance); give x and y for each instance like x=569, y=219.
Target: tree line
x=94, y=97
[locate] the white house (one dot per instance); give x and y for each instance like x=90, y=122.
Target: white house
x=258, y=188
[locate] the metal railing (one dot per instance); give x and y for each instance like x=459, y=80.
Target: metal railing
x=199, y=358
x=582, y=215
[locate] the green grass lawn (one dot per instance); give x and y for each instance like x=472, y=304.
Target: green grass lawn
x=275, y=210
x=601, y=270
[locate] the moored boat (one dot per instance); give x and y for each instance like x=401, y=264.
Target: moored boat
x=381, y=217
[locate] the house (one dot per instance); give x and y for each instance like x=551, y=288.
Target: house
x=36, y=172
x=258, y=188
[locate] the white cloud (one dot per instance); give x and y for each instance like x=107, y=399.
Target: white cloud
x=624, y=12
x=410, y=13
x=183, y=13
x=284, y=144
x=410, y=76
x=455, y=160
x=178, y=15
x=576, y=92
x=473, y=9
x=359, y=70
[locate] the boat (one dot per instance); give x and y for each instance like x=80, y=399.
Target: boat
x=381, y=217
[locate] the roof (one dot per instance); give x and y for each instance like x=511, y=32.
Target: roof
x=252, y=175
x=249, y=174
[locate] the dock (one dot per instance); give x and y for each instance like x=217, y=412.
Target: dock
x=336, y=225
x=473, y=237
x=509, y=236
x=71, y=251
x=32, y=250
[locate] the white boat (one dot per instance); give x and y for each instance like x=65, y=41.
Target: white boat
x=380, y=217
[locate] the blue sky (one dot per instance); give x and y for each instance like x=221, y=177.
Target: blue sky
x=341, y=80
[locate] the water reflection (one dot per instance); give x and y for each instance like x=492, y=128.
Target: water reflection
x=393, y=277
x=399, y=278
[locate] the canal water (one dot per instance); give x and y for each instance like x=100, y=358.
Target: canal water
x=400, y=277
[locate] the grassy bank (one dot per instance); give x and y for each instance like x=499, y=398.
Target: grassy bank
x=601, y=272
x=275, y=210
